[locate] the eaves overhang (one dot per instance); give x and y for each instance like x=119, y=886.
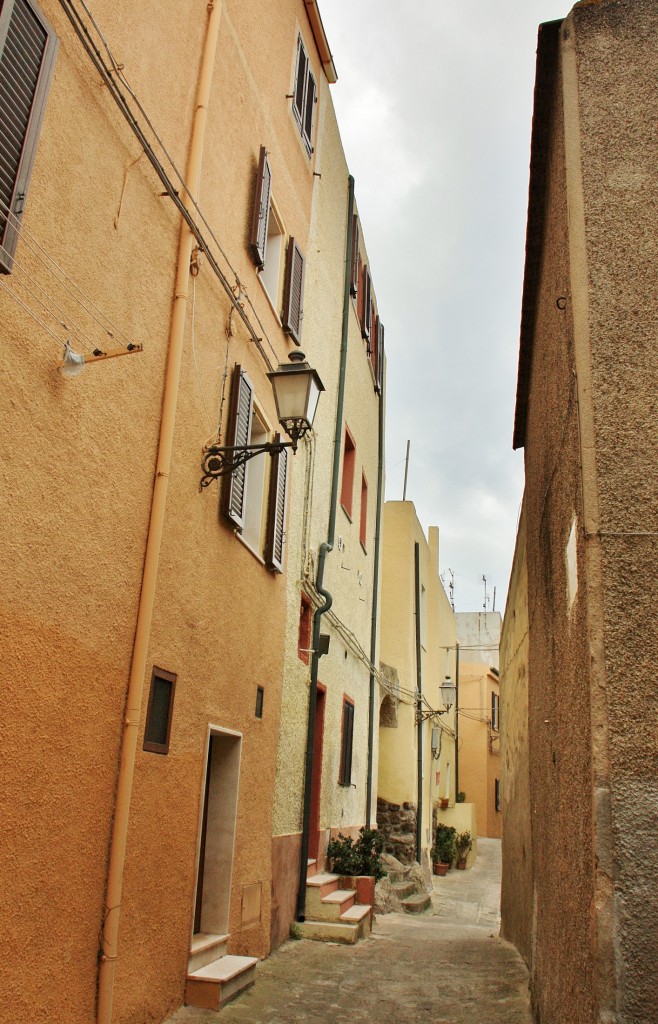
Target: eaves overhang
x=321, y=40
x=548, y=47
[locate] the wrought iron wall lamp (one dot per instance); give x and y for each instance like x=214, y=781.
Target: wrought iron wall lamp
x=297, y=390
x=448, y=694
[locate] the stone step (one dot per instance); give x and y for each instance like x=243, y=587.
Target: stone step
x=311, y=867
x=324, y=882
x=212, y=986
x=346, y=932
x=360, y=914
x=416, y=904
x=403, y=889
x=329, y=907
x=206, y=948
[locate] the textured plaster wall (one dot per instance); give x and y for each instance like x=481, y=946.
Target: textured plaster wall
x=348, y=572
x=479, y=760
x=516, y=887
x=616, y=46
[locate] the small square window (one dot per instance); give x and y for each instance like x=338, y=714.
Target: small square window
x=159, y=712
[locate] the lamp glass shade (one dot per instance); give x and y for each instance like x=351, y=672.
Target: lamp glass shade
x=296, y=389
x=448, y=692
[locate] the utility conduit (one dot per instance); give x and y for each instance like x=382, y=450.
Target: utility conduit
x=118, y=842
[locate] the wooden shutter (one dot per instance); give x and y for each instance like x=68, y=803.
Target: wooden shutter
x=293, y=293
x=300, y=82
x=367, y=304
x=276, y=516
x=27, y=54
x=308, y=114
x=234, y=491
x=345, y=778
x=372, y=345
x=379, y=374
x=354, y=273
x=261, y=214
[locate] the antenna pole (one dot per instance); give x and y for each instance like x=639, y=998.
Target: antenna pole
x=406, y=472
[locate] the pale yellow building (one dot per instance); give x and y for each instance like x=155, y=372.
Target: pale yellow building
x=418, y=651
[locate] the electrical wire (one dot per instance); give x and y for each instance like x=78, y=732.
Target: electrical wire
x=31, y=313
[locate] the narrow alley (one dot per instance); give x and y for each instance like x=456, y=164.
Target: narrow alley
x=447, y=966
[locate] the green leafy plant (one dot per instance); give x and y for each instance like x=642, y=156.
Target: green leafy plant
x=461, y=797
x=463, y=843
x=357, y=857
x=443, y=851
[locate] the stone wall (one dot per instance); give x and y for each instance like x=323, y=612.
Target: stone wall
x=397, y=824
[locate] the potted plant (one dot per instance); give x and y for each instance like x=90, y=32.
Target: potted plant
x=443, y=851
x=358, y=862
x=463, y=844
x=461, y=797
x=444, y=803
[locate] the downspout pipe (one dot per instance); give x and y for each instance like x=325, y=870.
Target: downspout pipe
x=419, y=699
x=119, y=837
x=456, y=718
x=375, y=608
x=325, y=548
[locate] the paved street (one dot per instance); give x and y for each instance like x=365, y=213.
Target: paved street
x=447, y=966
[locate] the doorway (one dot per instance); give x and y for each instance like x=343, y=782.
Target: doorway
x=316, y=774
x=217, y=833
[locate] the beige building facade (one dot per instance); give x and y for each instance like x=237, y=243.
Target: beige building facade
x=418, y=651
x=585, y=417
x=143, y=616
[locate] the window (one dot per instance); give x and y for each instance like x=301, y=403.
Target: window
x=345, y=777
x=260, y=695
x=304, y=96
x=305, y=626
x=347, y=486
x=260, y=522
x=354, y=273
x=497, y=797
x=366, y=304
x=363, y=525
x=495, y=711
x=27, y=55
x=159, y=711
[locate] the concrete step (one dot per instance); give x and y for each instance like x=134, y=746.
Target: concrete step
x=204, y=949
x=360, y=914
x=311, y=868
x=329, y=907
x=416, y=904
x=212, y=986
x=403, y=889
x=324, y=883
x=346, y=932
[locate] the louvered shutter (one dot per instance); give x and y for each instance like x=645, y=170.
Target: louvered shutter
x=367, y=304
x=308, y=114
x=27, y=53
x=300, y=82
x=234, y=491
x=293, y=293
x=261, y=214
x=372, y=345
x=276, y=515
x=354, y=274
x=379, y=375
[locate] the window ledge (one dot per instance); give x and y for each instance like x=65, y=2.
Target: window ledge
x=269, y=299
x=250, y=549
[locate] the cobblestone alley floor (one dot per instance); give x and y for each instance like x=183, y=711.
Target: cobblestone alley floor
x=447, y=966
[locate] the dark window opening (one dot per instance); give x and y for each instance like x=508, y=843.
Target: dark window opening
x=305, y=626
x=260, y=695
x=159, y=712
x=347, y=486
x=345, y=777
x=497, y=798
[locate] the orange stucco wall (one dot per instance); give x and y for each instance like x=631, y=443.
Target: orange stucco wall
x=78, y=463
x=479, y=750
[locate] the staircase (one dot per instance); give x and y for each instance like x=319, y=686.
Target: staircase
x=214, y=977
x=332, y=914
x=411, y=901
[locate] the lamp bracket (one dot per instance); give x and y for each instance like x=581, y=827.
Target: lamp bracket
x=220, y=461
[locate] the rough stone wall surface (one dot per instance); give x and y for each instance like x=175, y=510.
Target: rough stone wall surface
x=397, y=824
x=560, y=767
x=517, y=876
x=617, y=48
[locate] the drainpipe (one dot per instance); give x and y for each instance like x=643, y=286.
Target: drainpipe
x=456, y=718
x=375, y=596
x=325, y=548
x=118, y=841
x=419, y=695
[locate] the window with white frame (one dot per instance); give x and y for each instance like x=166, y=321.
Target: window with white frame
x=304, y=96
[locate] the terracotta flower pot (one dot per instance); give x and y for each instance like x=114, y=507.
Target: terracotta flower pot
x=444, y=804
x=440, y=868
x=461, y=864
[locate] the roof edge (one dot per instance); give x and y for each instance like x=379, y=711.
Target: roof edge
x=321, y=41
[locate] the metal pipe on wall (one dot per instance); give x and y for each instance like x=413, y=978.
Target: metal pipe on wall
x=419, y=697
x=375, y=597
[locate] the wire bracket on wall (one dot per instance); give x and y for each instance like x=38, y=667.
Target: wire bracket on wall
x=72, y=363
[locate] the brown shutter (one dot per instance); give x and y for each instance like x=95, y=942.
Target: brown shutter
x=261, y=214
x=300, y=82
x=276, y=514
x=379, y=376
x=354, y=274
x=238, y=432
x=367, y=304
x=293, y=293
x=27, y=54
x=372, y=346
x=308, y=115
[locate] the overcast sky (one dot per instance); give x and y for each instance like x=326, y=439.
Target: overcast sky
x=434, y=103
